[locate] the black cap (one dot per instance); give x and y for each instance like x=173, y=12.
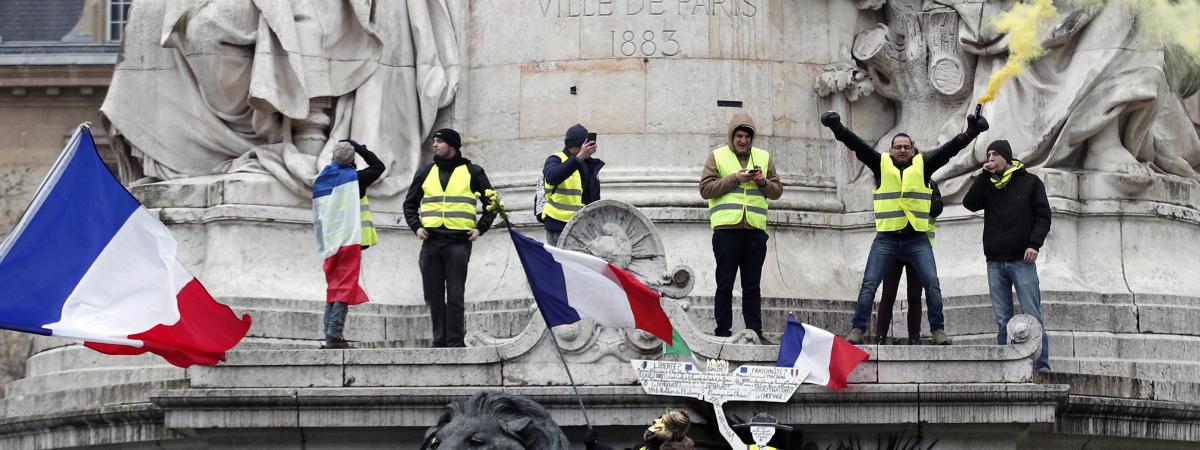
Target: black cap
x=1001, y=146
x=575, y=136
x=449, y=136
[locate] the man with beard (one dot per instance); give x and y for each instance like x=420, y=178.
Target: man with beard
x=441, y=209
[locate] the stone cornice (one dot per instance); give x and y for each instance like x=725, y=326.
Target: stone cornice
x=62, y=75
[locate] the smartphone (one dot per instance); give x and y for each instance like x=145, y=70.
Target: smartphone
x=755, y=170
x=591, y=137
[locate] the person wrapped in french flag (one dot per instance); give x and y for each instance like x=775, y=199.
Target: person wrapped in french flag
x=569, y=286
x=338, y=221
x=828, y=357
x=87, y=262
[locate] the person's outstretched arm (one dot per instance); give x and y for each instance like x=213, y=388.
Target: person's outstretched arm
x=862, y=150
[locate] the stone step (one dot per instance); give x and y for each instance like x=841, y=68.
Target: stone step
x=85, y=397
x=109, y=376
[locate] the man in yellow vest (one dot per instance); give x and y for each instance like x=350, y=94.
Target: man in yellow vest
x=737, y=181
x=572, y=180
x=441, y=209
x=338, y=303
x=902, y=201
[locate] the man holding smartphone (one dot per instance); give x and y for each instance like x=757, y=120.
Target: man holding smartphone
x=572, y=180
x=737, y=181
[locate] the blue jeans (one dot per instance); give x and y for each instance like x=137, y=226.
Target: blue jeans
x=1003, y=276
x=335, y=319
x=888, y=250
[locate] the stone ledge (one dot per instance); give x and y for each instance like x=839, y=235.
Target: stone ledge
x=123, y=426
x=1130, y=418
x=608, y=405
x=1121, y=387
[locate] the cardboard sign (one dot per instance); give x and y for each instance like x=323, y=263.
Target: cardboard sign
x=718, y=385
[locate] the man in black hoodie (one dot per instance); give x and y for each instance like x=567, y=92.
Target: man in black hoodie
x=1016, y=220
x=441, y=209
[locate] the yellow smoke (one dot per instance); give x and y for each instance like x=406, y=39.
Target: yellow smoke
x=1022, y=24
x=1170, y=22
x=1174, y=23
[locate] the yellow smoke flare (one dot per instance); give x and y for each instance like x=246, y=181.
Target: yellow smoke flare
x=1022, y=24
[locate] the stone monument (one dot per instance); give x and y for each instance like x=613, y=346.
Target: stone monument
x=224, y=111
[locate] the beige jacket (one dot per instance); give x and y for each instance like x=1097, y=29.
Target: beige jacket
x=712, y=185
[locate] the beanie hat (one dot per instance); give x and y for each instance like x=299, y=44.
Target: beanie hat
x=449, y=136
x=1001, y=147
x=575, y=136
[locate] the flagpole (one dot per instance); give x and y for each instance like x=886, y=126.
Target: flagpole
x=578, y=397
x=558, y=349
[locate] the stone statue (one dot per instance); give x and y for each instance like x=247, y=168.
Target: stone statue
x=268, y=86
x=916, y=61
x=495, y=421
x=1105, y=98
x=619, y=233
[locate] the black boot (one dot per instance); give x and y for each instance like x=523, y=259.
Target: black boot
x=332, y=343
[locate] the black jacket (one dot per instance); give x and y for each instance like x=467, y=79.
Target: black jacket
x=1014, y=218
x=934, y=160
x=479, y=183
x=556, y=171
x=369, y=175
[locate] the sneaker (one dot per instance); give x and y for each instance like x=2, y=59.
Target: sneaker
x=913, y=340
x=881, y=340
x=855, y=337
x=940, y=338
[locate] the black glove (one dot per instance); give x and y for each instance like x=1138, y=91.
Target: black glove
x=832, y=120
x=358, y=148
x=976, y=124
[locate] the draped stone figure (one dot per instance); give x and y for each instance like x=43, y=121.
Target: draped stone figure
x=208, y=87
x=1107, y=97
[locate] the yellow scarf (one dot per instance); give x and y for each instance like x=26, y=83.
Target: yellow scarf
x=1002, y=180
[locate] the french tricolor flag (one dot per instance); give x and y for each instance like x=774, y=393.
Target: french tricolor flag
x=569, y=286
x=87, y=262
x=828, y=358
x=337, y=218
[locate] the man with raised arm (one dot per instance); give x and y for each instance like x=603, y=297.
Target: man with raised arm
x=902, y=200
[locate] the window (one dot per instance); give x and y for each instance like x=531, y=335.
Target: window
x=118, y=15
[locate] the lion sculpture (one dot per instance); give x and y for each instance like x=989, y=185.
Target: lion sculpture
x=495, y=421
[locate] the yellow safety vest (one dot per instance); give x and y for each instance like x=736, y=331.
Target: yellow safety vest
x=369, y=235
x=746, y=199
x=563, y=200
x=768, y=447
x=451, y=208
x=902, y=199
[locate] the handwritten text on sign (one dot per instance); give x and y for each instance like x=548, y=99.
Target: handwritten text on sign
x=746, y=383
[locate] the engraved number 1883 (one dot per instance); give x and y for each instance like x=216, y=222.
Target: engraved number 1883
x=629, y=43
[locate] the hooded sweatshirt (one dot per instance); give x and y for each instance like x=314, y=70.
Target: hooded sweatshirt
x=1015, y=217
x=713, y=185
